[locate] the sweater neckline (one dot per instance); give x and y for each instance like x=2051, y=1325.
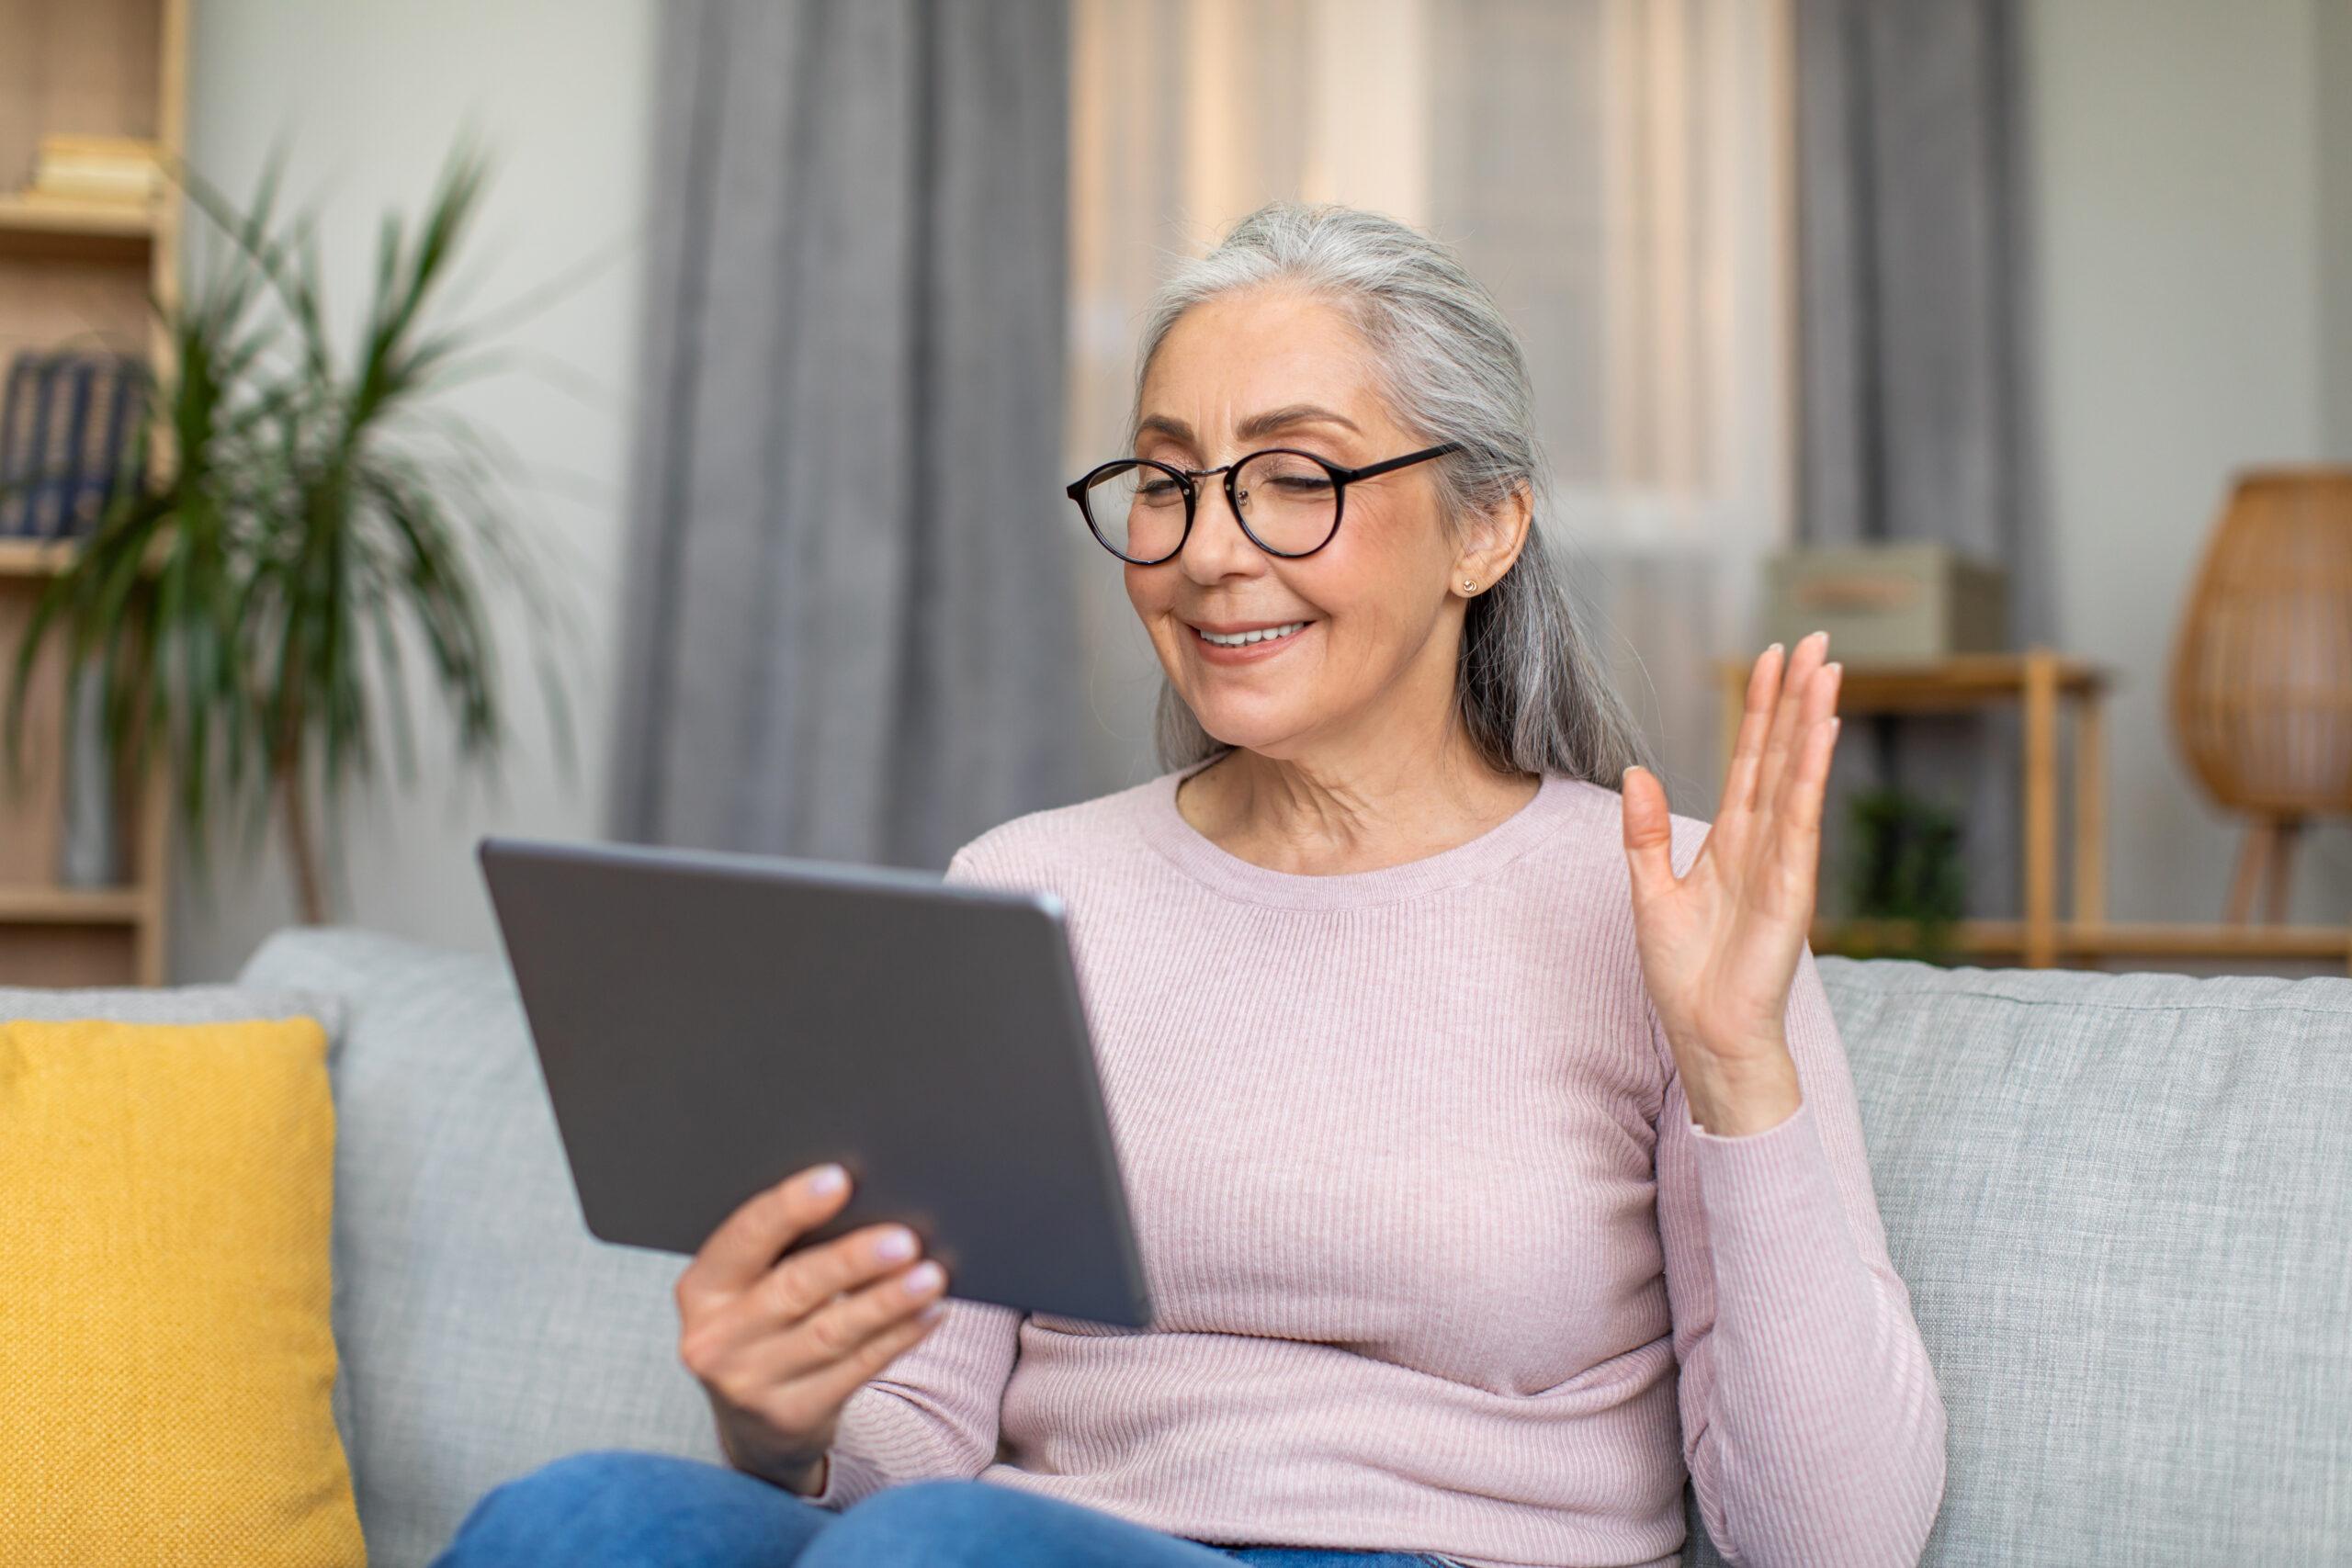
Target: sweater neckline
x=1208, y=862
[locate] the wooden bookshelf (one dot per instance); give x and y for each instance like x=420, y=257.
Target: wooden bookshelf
x=34, y=558
x=100, y=233
x=79, y=273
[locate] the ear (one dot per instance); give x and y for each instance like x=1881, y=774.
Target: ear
x=1494, y=539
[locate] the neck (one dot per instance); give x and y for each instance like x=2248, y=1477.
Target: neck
x=1321, y=814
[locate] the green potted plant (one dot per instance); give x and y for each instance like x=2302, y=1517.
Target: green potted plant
x=244, y=601
x=1904, y=868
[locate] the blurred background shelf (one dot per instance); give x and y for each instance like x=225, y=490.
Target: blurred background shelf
x=2072, y=941
x=38, y=227
x=81, y=272
x=34, y=558
x=73, y=905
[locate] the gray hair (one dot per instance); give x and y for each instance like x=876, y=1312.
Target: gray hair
x=1530, y=690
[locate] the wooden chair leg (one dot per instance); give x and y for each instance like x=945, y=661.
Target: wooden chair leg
x=2253, y=853
x=2282, y=853
x=2040, y=792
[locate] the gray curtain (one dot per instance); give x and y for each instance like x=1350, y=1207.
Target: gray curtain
x=845, y=622
x=1918, y=419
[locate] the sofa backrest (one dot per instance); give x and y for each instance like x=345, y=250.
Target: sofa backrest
x=2122, y=1205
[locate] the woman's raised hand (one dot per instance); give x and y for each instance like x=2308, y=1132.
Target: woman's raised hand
x=1719, y=945
x=779, y=1347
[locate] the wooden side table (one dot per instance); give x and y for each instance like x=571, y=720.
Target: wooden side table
x=2037, y=678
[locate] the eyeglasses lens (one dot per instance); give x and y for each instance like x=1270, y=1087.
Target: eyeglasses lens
x=1138, y=510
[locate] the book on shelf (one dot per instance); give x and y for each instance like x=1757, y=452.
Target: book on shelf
x=66, y=423
x=76, y=168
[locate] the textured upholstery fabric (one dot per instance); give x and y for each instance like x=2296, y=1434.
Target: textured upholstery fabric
x=175, y=1004
x=483, y=1330
x=2121, y=1204
x=166, y=1363
x=207, y=1003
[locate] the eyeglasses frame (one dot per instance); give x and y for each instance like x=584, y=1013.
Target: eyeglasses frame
x=1342, y=477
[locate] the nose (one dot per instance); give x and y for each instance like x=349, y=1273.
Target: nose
x=1217, y=544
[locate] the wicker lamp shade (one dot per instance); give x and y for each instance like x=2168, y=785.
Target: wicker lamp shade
x=2262, y=669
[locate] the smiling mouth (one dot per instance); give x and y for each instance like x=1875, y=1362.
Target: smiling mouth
x=1250, y=639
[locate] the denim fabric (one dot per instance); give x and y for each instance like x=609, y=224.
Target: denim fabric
x=612, y=1507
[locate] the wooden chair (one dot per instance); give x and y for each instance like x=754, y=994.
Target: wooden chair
x=2262, y=668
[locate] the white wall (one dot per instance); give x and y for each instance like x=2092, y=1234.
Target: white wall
x=2334, y=57
x=371, y=97
x=2176, y=204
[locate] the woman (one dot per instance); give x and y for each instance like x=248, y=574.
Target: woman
x=1489, y=1137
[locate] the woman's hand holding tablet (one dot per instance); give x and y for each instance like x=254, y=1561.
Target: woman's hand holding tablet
x=780, y=1346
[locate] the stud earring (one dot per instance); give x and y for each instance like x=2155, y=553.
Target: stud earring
x=1467, y=583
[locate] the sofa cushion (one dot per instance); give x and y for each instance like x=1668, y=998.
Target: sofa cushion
x=210, y=1002
x=2120, y=1203
x=483, y=1330
x=166, y=1354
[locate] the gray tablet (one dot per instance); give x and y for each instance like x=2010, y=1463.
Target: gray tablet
x=710, y=1023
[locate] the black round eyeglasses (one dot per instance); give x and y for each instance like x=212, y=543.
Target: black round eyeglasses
x=1288, y=501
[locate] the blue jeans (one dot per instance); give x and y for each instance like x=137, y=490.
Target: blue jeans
x=612, y=1507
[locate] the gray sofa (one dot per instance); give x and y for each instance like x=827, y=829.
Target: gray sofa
x=2122, y=1204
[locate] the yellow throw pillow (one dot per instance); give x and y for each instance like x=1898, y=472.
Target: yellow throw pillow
x=166, y=1361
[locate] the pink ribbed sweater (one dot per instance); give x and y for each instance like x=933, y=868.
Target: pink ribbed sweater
x=1429, y=1230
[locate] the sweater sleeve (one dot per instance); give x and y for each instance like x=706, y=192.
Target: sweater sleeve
x=933, y=1412
x=1811, y=1424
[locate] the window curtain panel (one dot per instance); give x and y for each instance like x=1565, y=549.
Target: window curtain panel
x=1614, y=171
x=845, y=632
x=1917, y=417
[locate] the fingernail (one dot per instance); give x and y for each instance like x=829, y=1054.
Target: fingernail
x=896, y=1244
x=828, y=1179
x=1774, y=649
x=933, y=1313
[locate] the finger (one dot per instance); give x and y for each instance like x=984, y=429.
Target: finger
x=841, y=1330
x=1804, y=811
x=1788, y=717
x=1796, y=836
x=749, y=1240
x=804, y=1283
x=830, y=1385
x=1756, y=716
x=806, y=1287
x=1816, y=703
x=1648, y=832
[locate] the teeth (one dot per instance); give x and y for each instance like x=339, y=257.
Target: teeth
x=1247, y=637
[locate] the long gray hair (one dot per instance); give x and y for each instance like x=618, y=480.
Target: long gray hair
x=1531, y=694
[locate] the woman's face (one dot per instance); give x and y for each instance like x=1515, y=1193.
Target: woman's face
x=1381, y=629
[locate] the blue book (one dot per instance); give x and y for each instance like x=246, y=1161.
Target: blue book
x=65, y=428
x=16, y=443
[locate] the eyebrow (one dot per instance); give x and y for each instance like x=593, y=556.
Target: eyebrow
x=1252, y=428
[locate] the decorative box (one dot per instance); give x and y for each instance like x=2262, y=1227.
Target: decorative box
x=1895, y=602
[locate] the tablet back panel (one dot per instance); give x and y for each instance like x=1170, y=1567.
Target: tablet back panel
x=710, y=1023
